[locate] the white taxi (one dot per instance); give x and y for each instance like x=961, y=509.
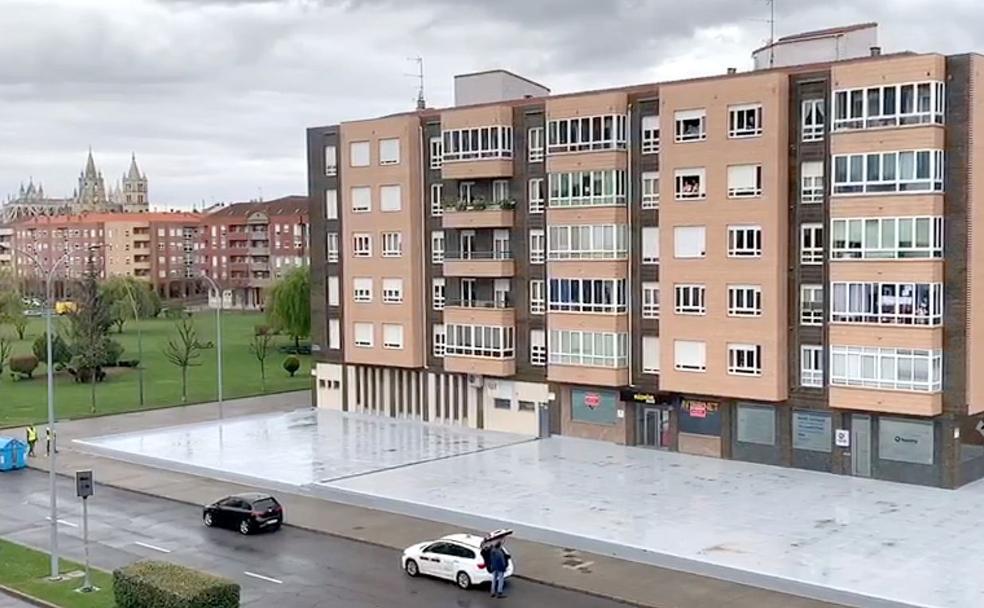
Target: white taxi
x=455, y=557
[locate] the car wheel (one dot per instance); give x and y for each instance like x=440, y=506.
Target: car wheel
x=209, y=522
x=411, y=568
x=463, y=580
x=244, y=527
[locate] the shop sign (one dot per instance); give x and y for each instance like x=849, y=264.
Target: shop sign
x=905, y=440
x=843, y=438
x=592, y=400
x=700, y=417
x=597, y=407
x=638, y=397
x=811, y=431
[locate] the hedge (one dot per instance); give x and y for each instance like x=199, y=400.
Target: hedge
x=152, y=584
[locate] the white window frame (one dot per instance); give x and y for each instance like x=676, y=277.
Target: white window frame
x=650, y=134
x=811, y=184
x=392, y=342
x=744, y=190
x=650, y=190
x=334, y=334
x=811, y=304
x=588, y=349
x=332, y=245
x=436, y=152
x=689, y=242
x=744, y=359
x=812, y=120
x=362, y=288
x=878, y=368
x=355, y=335
x=851, y=238
x=331, y=160
x=392, y=244
x=587, y=242
x=388, y=155
x=853, y=108
x=387, y=204
x=356, y=150
x=690, y=299
x=650, y=244
x=437, y=246
x=535, y=144
x=331, y=205
x=438, y=340
x=605, y=296
x=537, y=246
x=650, y=355
x=738, y=119
x=358, y=204
x=477, y=143
x=744, y=241
x=535, y=192
x=744, y=300
x=438, y=293
x=886, y=303
x=361, y=245
x=538, y=347
x=600, y=188
x=437, y=200
x=334, y=295
x=683, y=119
x=586, y=133
x=811, y=255
x=811, y=366
x=392, y=291
x=650, y=300
x=538, y=299
x=700, y=360
x=683, y=180
x=483, y=341
x=864, y=174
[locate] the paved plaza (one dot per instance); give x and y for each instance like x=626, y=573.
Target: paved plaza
x=854, y=541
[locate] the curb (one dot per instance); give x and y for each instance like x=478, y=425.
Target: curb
x=30, y=599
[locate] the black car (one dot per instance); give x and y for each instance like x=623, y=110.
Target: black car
x=247, y=513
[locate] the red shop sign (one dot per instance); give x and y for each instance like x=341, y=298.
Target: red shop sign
x=592, y=400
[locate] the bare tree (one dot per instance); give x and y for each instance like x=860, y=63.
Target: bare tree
x=260, y=347
x=184, y=352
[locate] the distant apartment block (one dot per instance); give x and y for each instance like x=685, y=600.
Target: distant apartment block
x=778, y=266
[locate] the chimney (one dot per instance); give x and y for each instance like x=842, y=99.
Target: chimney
x=875, y=51
x=732, y=70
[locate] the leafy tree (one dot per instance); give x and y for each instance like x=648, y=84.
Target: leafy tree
x=89, y=328
x=5, y=347
x=61, y=354
x=291, y=365
x=260, y=347
x=118, y=292
x=12, y=312
x=184, y=352
x=288, y=304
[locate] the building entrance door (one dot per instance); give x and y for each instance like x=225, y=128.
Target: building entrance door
x=861, y=445
x=655, y=427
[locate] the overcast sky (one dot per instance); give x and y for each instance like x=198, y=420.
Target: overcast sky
x=214, y=95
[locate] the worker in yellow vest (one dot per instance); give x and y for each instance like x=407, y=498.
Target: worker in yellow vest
x=32, y=438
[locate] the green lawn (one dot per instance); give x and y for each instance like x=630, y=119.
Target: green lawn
x=26, y=570
x=25, y=401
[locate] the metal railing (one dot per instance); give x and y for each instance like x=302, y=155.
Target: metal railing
x=464, y=256
x=499, y=303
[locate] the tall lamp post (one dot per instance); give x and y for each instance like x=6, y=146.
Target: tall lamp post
x=218, y=333
x=136, y=318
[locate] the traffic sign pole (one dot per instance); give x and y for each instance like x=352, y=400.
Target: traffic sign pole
x=84, y=489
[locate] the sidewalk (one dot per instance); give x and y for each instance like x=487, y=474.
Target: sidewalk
x=590, y=573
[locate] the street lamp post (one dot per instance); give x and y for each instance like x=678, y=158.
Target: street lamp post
x=136, y=318
x=218, y=334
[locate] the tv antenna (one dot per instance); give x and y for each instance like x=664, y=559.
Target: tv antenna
x=772, y=32
x=421, y=104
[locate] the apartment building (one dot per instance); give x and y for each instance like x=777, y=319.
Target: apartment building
x=748, y=266
x=161, y=248
x=6, y=242
x=248, y=246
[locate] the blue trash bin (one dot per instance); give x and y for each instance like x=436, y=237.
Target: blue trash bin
x=13, y=454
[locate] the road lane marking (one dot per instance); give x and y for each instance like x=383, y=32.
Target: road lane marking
x=63, y=522
x=152, y=547
x=263, y=578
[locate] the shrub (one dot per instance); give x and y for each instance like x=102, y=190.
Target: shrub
x=175, y=313
x=291, y=365
x=261, y=330
x=23, y=365
x=60, y=352
x=114, y=350
x=151, y=584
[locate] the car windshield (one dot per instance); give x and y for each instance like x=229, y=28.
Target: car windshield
x=264, y=504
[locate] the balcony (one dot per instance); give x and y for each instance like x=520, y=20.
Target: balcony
x=478, y=213
x=477, y=168
x=501, y=368
x=480, y=312
x=259, y=250
x=491, y=264
x=595, y=376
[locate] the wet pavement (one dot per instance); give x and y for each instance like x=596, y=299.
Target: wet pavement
x=855, y=541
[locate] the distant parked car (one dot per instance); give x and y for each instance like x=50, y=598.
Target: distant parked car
x=455, y=557
x=247, y=513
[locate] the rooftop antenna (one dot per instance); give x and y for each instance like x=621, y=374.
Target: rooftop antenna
x=772, y=32
x=421, y=104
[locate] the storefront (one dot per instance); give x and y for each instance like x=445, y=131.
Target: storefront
x=592, y=413
x=699, y=427
x=653, y=416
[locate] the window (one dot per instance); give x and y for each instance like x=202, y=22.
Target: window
x=534, y=143
x=480, y=341
x=331, y=161
x=744, y=359
x=436, y=153
x=811, y=182
x=889, y=172
x=588, y=242
x=500, y=190
x=650, y=354
x=502, y=404
x=438, y=293
x=811, y=366
x=392, y=291
x=536, y=247
x=813, y=120
x=331, y=205
x=650, y=190
x=587, y=295
x=811, y=244
x=465, y=191
x=437, y=246
x=389, y=151
x=650, y=300
x=438, y=339
x=389, y=198
x=688, y=242
x=587, y=188
x=887, y=303
x=334, y=334
x=745, y=121
x=392, y=244
x=887, y=238
x=477, y=143
x=690, y=184
x=689, y=300
x=361, y=199
x=437, y=200
x=650, y=244
x=744, y=181
x=359, y=154
x=361, y=245
x=811, y=305
x=537, y=299
x=363, y=335
x=536, y=195
x=650, y=134
x=333, y=291
x=744, y=241
x=538, y=347
x=589, y=349
x=690, y=125
x=887, y=368
x=890, y=106
x=332, y=242
x=744, y=301
x=362, y=289
x=586, y=133
x=392, y=336
x=689, y=356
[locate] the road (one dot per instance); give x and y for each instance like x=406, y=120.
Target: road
x=290, y=568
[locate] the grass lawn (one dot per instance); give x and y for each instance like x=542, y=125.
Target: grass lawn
x=26, y=570
x=25, y=401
